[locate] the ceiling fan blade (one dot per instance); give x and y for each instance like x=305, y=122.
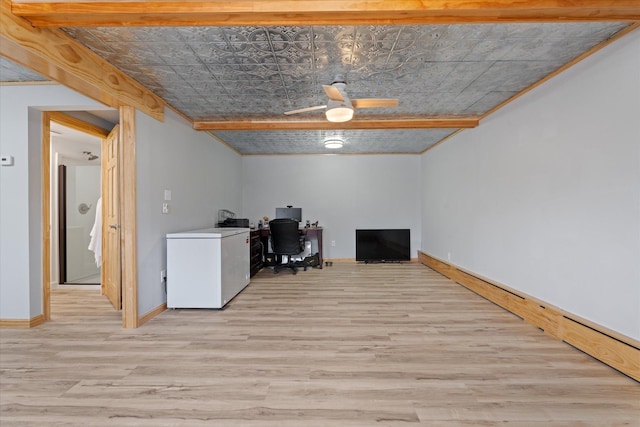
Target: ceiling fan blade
x=304, y=110
x=333, y=93
x=374, y=103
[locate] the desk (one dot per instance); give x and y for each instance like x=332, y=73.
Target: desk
x=260, y=245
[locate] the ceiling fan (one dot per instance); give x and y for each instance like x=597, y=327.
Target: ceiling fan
x=340, y=108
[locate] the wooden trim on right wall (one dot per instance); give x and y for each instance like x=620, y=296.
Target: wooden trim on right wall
x=620, y=352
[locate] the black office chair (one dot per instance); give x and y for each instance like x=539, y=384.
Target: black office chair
x=286, y=240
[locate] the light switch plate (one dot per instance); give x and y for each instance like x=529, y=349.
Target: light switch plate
x=167, y=195
x=6, y=160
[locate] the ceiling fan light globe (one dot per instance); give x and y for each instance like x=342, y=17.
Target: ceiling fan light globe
x=339, y=114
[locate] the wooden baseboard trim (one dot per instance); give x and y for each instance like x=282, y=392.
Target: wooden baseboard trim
x=22, y=323
x=151, y=314
x=618, y=351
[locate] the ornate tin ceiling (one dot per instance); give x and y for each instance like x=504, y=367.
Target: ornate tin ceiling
x=223, y=73
x=12, y=72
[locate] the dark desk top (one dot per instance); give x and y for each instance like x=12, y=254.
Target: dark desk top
x=303, y=229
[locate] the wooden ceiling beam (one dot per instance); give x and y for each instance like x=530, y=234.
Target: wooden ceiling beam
x=61, y=13
x=321, y=124
x=56, y=56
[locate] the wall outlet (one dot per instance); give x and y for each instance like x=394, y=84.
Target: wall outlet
x=163, y=276
x=165, y=208
x=333, y=243
x=449, y=256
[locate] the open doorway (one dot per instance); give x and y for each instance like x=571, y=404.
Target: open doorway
x=75, y=169
x=119, y=271
x=76, y=192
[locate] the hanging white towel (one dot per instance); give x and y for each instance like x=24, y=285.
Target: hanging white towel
x=95, y=245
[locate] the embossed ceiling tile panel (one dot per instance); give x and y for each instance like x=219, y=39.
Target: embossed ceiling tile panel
x=303, y=102
x=182, y=92
x=306, y=38
x=231, y=72
x=293, y=80
x=135, y=53
x=434, y=74
x=312, y=142
x=240, y=34
x=12, y=72
x=447, y=50
x=163, y=75
x=103, y=35
x=147, y=79
x=424, y=103
x=175, y=53
x=269, y=39
x=466, y=32
x=546, y=31
x=327, y=75
x=272, y=142
x=351, y=39
x=197, y=72
x=96, y=43
x=511, y=75
x=520, y=31
x=275, y=62
x=208, y=88
x=224, y=72
x=329, y=51
x=463, y=74
x=292, y=74
x=488, y=101
x=190, y=109
x=392, y=39
x=464, y=100
x=202, y=34
x=489, y=50
x=150, y=34
x=217, y=53
x=558, y=51
x=438, y=103
x=597, y=30
x=240, y=87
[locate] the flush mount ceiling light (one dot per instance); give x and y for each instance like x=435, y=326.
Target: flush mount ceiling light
x=333, y=143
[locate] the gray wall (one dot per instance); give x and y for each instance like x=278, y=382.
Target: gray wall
x=203, y=174
x=203, y=177
x=21, y=194
x=341, y=192
x=544, y=196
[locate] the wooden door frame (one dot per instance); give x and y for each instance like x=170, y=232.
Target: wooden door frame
x=127, y=205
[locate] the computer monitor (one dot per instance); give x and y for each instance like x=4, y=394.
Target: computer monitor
x=290, y=213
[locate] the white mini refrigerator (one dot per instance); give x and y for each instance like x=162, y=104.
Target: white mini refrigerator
x=206, y=268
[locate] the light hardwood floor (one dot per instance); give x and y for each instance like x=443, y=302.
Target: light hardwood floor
x=348, y=345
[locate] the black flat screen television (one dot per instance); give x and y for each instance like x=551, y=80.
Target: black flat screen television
x=383, y=245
